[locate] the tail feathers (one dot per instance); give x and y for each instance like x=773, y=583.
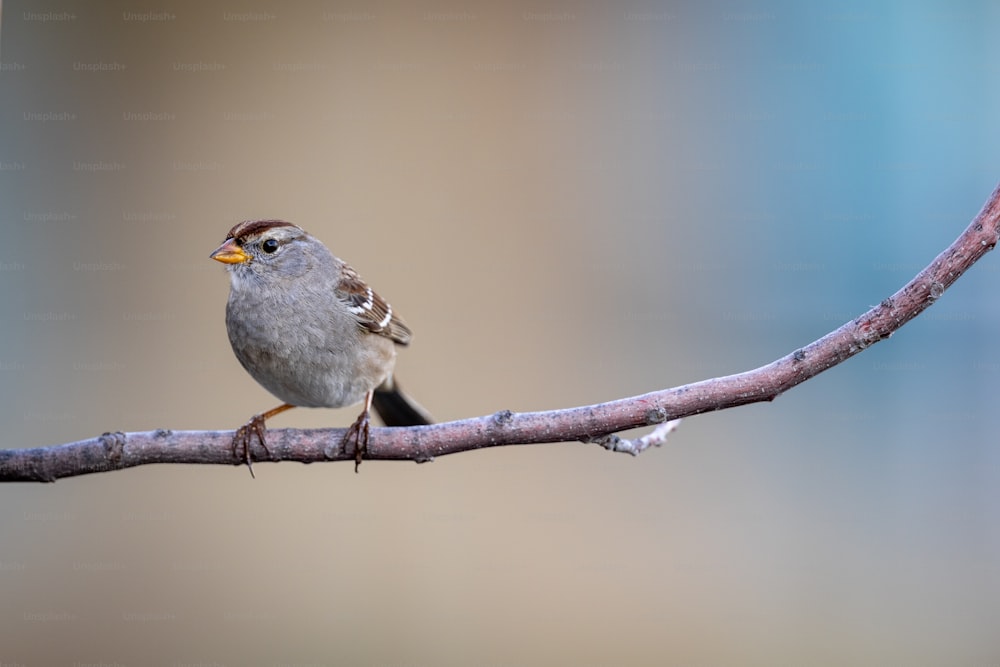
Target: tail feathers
x=396, y=408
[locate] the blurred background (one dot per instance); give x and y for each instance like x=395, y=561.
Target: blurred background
x=569, y=202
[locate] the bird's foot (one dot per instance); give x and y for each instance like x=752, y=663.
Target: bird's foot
x=359, y=433
x=244, y=434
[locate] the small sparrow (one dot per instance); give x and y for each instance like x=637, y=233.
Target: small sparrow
x=309, y=330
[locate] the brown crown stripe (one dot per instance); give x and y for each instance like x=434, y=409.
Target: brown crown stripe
x=254, y=227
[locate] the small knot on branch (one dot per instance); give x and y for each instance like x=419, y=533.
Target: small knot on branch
x=114, y=445
x=503, y=417
x=656, y=416
x=866, y=333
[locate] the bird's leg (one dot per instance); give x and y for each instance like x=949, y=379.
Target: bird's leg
x=241, y=440
x=359, y=431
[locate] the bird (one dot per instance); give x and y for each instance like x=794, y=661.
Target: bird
x=311, y=331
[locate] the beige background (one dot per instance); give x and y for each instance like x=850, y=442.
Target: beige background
x=568, y=203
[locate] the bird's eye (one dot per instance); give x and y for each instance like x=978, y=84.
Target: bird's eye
x=269, y=246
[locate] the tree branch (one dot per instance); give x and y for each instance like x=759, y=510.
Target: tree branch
x=592, y=423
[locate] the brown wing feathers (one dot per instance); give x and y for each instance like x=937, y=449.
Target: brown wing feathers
x=372, y=311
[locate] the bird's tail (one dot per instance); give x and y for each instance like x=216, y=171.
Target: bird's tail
x=396, y=408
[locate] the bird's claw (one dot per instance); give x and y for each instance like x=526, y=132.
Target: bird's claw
x=244, y=434
x=359, y=433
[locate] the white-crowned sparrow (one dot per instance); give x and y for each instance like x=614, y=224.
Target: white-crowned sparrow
x=310, y=331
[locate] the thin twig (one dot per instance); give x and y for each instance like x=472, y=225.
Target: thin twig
x=592, y=423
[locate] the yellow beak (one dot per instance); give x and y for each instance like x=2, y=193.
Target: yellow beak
x=230, y=253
